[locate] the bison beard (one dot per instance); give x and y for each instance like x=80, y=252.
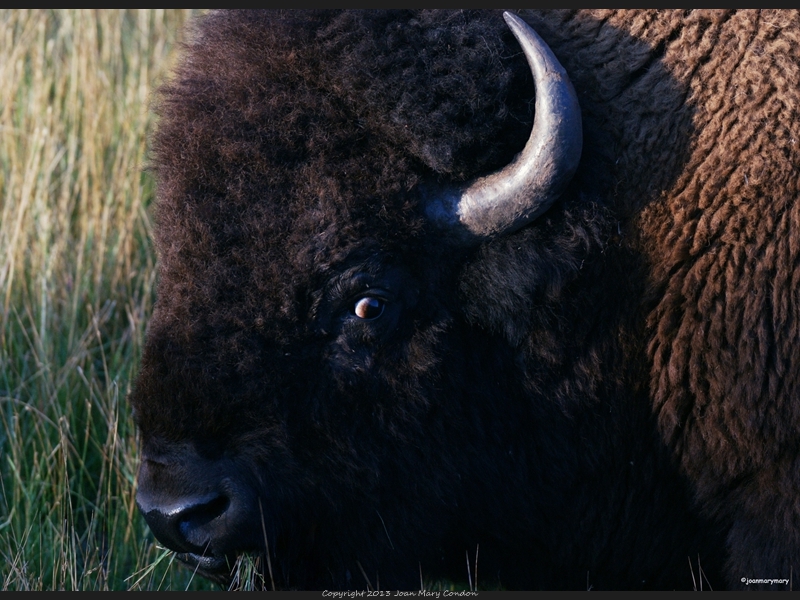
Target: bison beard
x=594, y=381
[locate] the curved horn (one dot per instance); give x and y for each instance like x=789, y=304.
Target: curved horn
x=513, y=197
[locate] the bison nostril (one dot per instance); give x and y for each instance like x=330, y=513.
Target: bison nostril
x=187, y=525
x=194, y=519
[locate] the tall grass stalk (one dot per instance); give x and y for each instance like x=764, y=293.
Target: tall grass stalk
x=77, y=275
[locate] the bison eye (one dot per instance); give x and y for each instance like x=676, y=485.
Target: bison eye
x=369, y=308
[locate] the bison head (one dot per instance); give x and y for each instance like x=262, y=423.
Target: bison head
x=338, y=370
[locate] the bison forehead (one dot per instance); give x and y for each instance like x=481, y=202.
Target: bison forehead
x=319, y=104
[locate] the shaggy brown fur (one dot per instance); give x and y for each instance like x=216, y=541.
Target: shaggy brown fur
x=602, y=398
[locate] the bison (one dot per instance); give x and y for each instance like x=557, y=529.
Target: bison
x=410, y=319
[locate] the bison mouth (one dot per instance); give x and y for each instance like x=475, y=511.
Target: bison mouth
x=264, y=568
x=249, y=570
x=218, y=569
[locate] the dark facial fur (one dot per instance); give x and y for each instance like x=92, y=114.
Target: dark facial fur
x=602, y=394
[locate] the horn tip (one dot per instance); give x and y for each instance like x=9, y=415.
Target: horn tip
x=513, y=20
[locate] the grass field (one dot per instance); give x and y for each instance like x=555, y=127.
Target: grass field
x=77, y=276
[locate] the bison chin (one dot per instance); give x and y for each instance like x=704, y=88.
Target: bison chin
x=200, y=509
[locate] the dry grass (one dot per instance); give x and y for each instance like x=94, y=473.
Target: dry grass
x=77, y=275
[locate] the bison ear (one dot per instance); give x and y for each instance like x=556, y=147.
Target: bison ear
x=505, y=201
